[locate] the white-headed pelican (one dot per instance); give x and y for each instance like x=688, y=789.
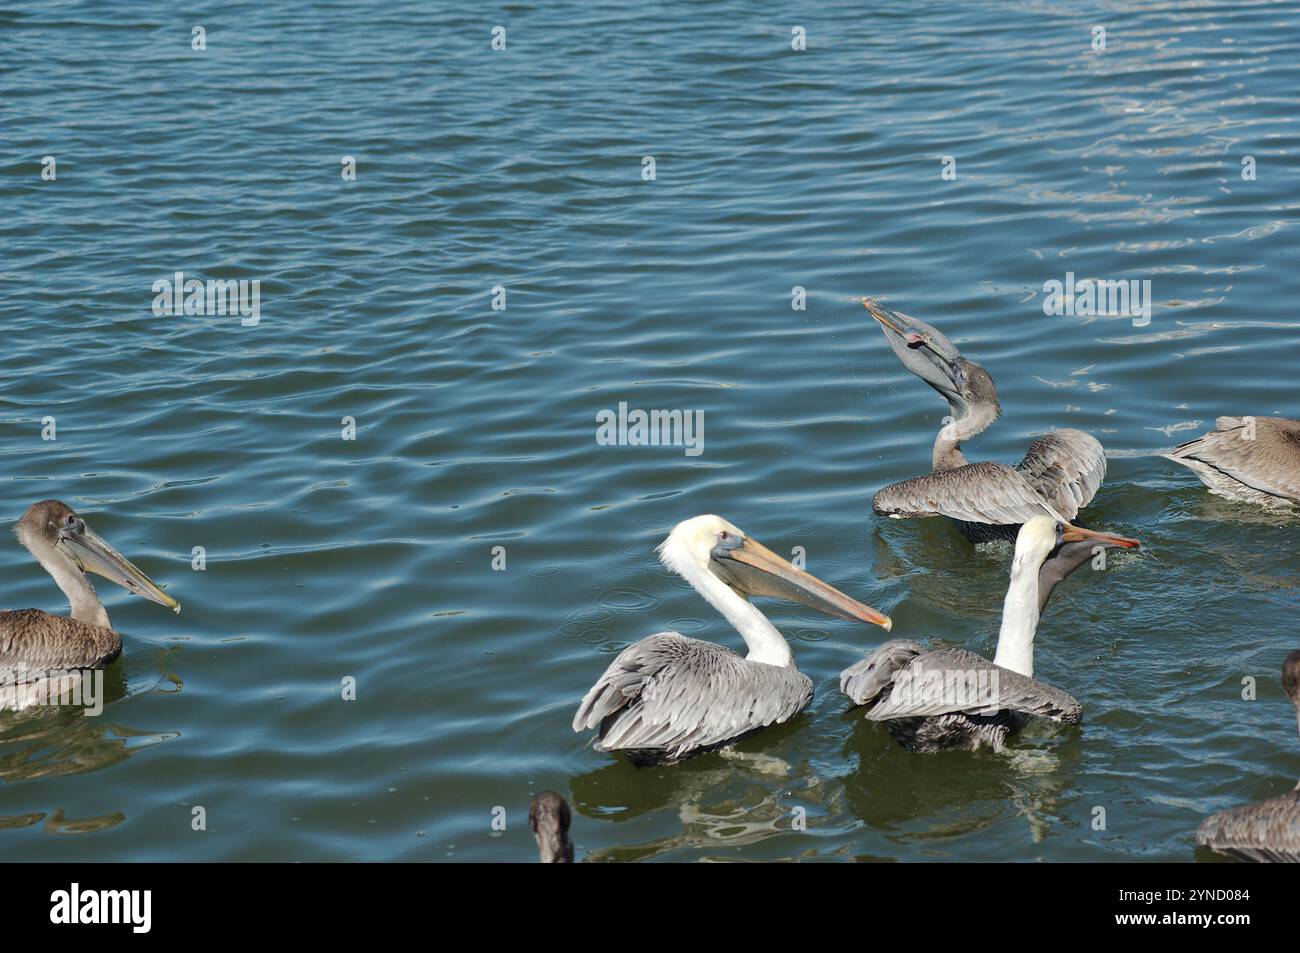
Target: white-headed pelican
x=668, y=697
x=954, y=699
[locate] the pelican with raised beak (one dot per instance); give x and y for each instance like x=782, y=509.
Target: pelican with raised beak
x=1058, y=476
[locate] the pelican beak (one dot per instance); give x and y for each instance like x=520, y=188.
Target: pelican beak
x=89, y=551
x=1075, y=534
x=921, y=349
x=754, y=570
x=914, y=332
x=888, y=319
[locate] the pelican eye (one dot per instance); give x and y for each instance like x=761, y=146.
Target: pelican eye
x=1060, y=528
x=727, y=542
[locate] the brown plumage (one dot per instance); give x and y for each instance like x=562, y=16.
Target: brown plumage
x=548, y=816
x=1268, y=831
x=977, y=492
x=1249, y=459
x=34, y=643
x=40, y=642
x=1059, y=475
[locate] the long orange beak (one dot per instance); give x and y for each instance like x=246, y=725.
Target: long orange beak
x=758, y=571
x=1075, y=534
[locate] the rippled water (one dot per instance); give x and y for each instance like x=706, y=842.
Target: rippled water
x=475, y=427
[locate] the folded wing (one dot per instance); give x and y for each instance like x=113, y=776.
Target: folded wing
x=33, y=642
x=1268, y=832
x=954, y=680
x=672, y=693
x=1262, y=455
x=867, y=680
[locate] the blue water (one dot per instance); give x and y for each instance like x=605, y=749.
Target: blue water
x=475, y=428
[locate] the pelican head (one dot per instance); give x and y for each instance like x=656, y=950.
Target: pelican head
x=932, y=357
x=548, y=816
x=68, y=548
x=1291, y=683
x=1291, y=678
x=1040, y=536
x=711, y=544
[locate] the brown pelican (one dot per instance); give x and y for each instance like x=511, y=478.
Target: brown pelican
x=33, y=642
x=1269, y=831
x=954, y=699
x=1249, y=459
x=1058, y=476
x=548, y=816
x=668, y=697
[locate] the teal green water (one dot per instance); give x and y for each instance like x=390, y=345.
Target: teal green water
x=476, y=427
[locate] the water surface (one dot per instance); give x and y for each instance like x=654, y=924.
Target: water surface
x=372, y=558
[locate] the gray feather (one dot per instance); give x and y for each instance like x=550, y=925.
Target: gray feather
x=1262, y=469
x=866, y=680
x=933, y=694
x=975, y=493
x=668, y=697
x=1065, y=467
x=1268, y=832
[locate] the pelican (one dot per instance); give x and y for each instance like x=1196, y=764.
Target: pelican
x=36, y=642
x=1268, y=831
x=954, y=699
x=1248, y=459
x=1065, y=559
x=548, y=816
x=668, y=697
x=1058, y=476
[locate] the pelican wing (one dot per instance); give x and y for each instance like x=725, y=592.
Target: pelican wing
x=867, y=680
x=1065, y=467
x=975, y=493
x=1268, y=832
x=1262, y=455
x=954, y=680
x=34, y=643
x=675, y=694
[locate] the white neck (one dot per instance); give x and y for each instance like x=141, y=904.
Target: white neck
x=85, y=604
x=764, y=640
x=1019, y=617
